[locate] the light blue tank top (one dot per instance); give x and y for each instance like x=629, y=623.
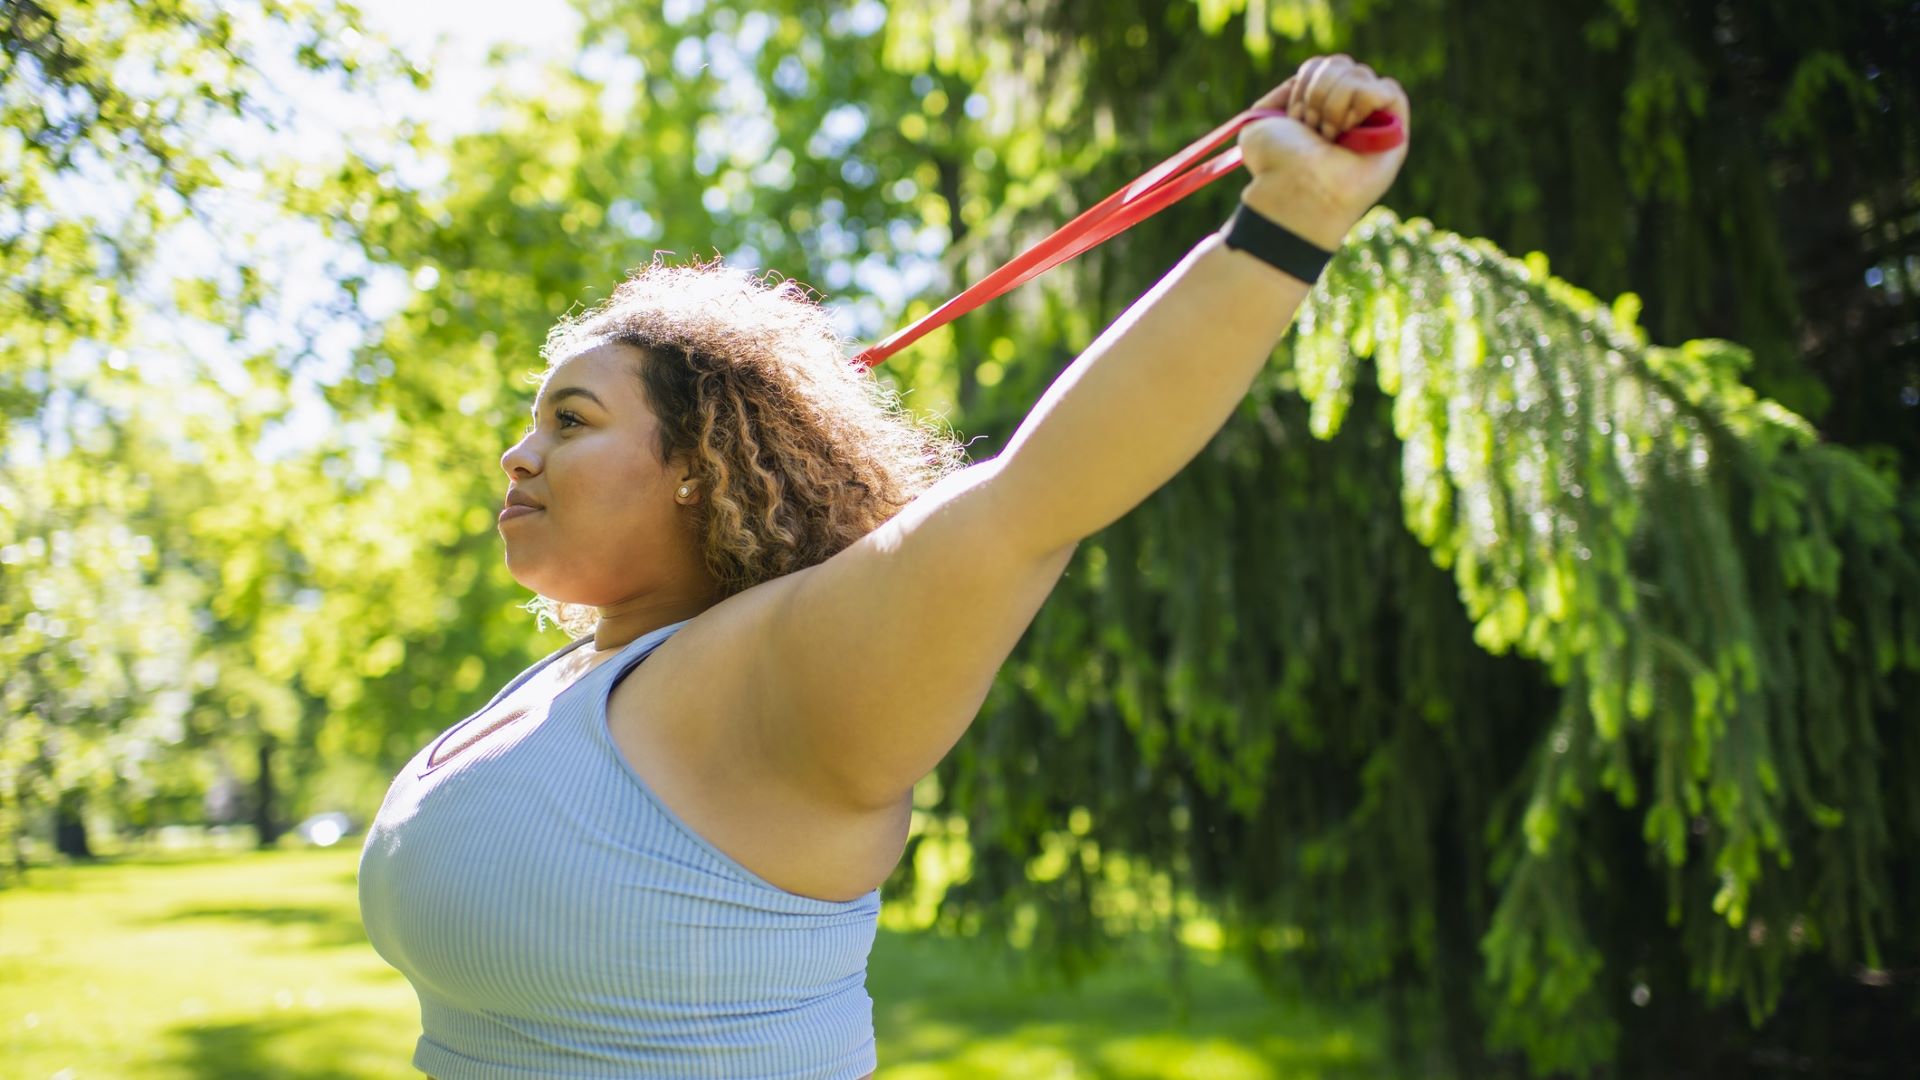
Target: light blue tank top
x=559, y=922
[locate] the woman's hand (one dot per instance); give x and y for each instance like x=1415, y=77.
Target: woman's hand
x=1301, y=178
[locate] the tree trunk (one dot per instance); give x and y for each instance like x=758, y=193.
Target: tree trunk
x=69, y=828
x=265, y=824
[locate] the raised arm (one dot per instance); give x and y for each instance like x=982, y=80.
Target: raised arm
x=1153, y=389
x=872, y=664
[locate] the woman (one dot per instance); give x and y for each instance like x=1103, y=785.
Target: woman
x=672, y=869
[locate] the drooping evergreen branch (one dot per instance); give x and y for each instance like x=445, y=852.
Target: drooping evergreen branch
x=1720, y=594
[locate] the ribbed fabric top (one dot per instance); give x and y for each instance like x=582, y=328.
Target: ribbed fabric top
x=559, y=921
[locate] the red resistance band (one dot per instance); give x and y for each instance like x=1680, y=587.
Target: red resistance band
x=1165, y=184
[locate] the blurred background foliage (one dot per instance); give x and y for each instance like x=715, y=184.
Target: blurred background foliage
x=1553, y=687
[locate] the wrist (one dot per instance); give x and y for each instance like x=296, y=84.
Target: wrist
x=1288, y=252
x=1312, y=218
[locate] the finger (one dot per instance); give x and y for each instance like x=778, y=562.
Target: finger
x=1337, y=116
x=1382, y=95
x=1399, y=105
x=1315, y=88
x=1297, y=106
x=1346, y=114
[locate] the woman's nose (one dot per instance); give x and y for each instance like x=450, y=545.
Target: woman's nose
x=520, y=458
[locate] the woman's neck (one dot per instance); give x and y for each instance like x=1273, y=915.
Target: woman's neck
x=623, y=623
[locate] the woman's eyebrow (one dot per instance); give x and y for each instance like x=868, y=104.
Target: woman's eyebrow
x=566, y=392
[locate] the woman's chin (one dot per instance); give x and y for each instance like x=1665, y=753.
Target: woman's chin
x=553, y=587
x=557, y=579
x=531, y=574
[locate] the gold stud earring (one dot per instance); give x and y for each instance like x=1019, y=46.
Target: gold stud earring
x=685, y=491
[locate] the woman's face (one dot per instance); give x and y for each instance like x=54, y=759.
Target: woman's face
x=606, y=526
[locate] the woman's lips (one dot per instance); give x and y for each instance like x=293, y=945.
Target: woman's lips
x=517, y=510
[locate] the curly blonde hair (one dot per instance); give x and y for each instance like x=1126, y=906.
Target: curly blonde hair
x=799, y=452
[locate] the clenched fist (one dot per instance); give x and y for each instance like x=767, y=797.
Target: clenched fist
x=1300, y=177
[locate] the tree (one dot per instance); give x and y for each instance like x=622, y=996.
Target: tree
x=1416, y=683
x=1518, y=805
x=1512, y=716
x=123, y=615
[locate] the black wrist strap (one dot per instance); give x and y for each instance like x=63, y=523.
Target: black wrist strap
x=1261, y=238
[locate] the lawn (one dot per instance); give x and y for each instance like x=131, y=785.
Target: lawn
x=231, y=965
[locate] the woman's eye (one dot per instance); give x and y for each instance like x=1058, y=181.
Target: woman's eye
x=568, y=419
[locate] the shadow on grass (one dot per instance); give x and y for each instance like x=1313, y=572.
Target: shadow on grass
x=329, y=926
x=949, y=1008
x=945, y=1009
x=42, y=872
x=332, y=1046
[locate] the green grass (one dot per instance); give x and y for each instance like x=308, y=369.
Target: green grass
x=254, y=965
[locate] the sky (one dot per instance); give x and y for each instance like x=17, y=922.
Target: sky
x=322, y=121
x=319, y=122
x=453, y=40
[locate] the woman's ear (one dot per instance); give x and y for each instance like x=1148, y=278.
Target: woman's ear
x=686, y=490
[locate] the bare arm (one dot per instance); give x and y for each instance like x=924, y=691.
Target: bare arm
x=1147, y=395
x=1153, y=389
x=899, y=636
x=872, y=664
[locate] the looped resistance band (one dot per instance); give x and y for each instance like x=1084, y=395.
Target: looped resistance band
x=1162, y=186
